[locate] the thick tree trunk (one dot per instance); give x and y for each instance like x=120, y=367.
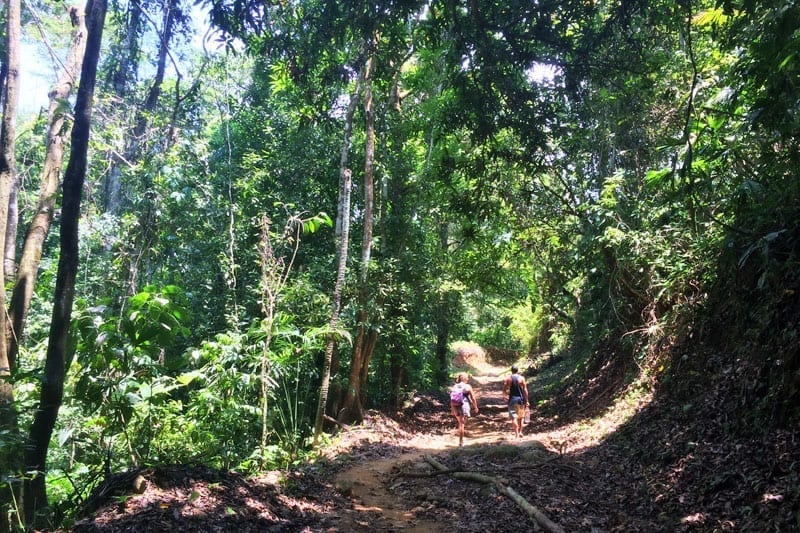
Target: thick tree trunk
x=9, y=459
x=369, y=350
x=58, y=358
x=351, y=410
x=51, y=172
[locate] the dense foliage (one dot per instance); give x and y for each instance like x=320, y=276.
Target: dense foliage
x=558, y=176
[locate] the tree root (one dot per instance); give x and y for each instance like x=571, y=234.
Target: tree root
x=541, y=519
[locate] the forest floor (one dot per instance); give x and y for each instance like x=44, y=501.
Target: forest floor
x=611, y=462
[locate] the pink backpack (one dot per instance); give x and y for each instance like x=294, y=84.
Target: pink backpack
x=457, y=393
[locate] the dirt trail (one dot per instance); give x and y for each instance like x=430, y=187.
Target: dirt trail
x=368, y=483
x=667, y=471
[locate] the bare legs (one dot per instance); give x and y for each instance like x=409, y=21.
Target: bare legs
x=462, y=422
x=517, y=426
x=516, y=413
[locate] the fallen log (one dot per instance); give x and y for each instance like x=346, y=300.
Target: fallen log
x=502, y=486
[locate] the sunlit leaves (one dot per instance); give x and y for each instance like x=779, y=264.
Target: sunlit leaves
x=280, y=80
x=711, y=17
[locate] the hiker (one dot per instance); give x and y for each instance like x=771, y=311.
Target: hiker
x=462, y=396
x=516, y=392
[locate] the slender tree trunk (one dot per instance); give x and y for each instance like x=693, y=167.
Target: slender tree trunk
x=126, y=69
x=333, y=323
x=10, y=254
x=8, y=167
x=342, y=241
x=9, y=459
x=58, y=358
x=122, y=80
x=154, y=94
x=48, y=191
x=443, y=320
x=392, y=226
x=144, y=239
x=366, y=337
x=369, y=176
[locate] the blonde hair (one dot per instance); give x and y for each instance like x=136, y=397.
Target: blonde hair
x=463, y=375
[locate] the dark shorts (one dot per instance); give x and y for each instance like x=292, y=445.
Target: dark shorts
x=515, y=407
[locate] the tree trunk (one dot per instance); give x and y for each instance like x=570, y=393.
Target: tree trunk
x=10, y=253
x=58, y=358
x=366, y=338
x=443, y=320
x=123, y=78
x=125, y=71
x=342, y=241
x=51, y=172
x=9, y=460
x=145, y=237
x=333, y=323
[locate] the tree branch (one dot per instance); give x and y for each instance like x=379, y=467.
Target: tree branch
x=534, y=512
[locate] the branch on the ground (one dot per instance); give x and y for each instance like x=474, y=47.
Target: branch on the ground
x=531, y=466
x=429, y=474
x=340, y=424
x=534, y=512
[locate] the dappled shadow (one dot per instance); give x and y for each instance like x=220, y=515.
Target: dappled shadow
x=185, y=498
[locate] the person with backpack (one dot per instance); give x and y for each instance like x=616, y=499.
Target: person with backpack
x=516, y=392
x=462, y=396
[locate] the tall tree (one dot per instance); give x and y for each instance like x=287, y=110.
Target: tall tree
x=366, y=335
x=51, y=173
x=171, y=17
x=342, y=240
x=58, y=354
x=8, y=175
x=123, y=74
x=8, y=164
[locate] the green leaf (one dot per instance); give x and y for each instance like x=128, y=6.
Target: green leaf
x=715, y=122
x=657, y=177
x=187, y=377
x=788, y=59
x=710, y=17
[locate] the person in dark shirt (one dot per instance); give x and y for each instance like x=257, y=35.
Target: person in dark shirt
x=516, y=393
